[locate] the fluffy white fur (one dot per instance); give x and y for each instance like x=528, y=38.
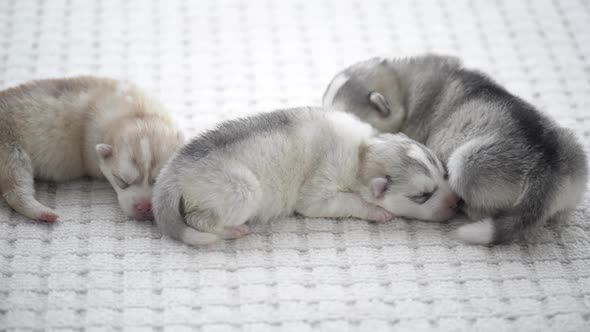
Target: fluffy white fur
x=62, y=129
x=315, y=163
x=479, y=232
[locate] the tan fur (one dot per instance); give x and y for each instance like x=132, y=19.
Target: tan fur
x=49, y=129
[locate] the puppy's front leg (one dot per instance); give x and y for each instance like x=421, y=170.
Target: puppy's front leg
x=342, y=205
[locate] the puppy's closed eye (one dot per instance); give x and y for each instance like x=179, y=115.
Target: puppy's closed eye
x=120, y=182
x=422, y=197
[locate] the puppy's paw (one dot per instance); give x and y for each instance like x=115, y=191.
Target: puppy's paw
x=235, y=232
x=479, y=232
x=379, y=215
x=48, y=216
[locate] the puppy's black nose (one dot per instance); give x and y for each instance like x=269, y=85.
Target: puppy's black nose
x=460, y=204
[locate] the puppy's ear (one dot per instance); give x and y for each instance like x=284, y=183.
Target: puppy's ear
x=378, y=186
x=379, y=103
x=104, y=151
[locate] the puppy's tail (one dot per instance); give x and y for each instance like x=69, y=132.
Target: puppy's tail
x=167, y=212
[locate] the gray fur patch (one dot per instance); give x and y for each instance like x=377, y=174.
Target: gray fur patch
x=231, y=132
x=414, y=166
x=514, y=174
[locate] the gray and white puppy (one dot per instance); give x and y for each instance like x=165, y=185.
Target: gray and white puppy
x=513, y=166
x=315, y=163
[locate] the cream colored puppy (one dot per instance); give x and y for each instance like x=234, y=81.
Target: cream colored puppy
x=61, y=129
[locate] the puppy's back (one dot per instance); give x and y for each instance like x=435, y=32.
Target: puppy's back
x=236, y=153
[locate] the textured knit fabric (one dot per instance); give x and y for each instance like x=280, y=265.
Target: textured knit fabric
x=214, y=60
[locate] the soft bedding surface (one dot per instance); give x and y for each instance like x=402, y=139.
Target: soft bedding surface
x=214, y=60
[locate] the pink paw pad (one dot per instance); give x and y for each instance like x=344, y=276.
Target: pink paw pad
x=47, y=216
x=234, y=232
x=379, y=216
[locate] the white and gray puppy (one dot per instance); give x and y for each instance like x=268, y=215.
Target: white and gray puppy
x=513, y=166
x=306, y=161
x=60, y=129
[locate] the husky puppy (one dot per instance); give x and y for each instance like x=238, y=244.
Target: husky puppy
x=512, y=165
x=61, y=129
x=308, y=161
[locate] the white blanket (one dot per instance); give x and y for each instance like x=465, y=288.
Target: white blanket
x=213, y=60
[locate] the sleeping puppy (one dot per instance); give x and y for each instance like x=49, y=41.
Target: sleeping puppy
x=306, y=161
x=61, y=129
x=513, y=166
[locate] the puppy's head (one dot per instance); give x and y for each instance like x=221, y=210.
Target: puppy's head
x=370, y=90
x=405, y=178
x=133, y=157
